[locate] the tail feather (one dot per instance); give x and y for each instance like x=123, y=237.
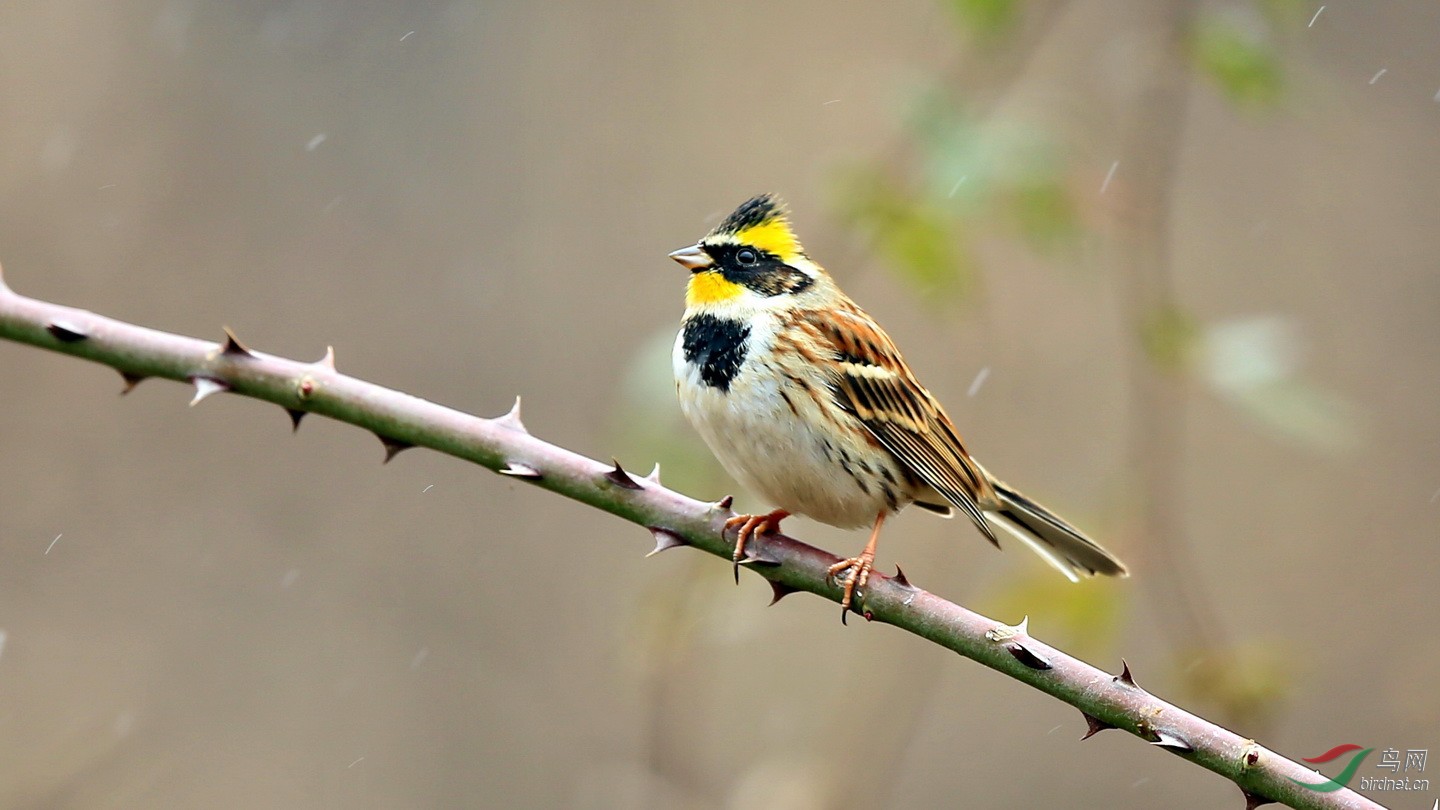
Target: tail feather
x=1061, y=545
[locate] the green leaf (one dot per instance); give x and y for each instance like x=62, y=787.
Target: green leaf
x=1239, y=57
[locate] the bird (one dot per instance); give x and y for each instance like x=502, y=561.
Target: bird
x=807, y=402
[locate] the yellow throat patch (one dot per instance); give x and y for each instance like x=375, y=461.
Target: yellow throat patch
x=710, y=287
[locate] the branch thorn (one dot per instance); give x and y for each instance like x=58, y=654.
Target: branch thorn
x=664, y=540
x=654, y=476
x=1005, y=632
x=1026, y=656
x=1125, y=677
x=753, y=558
x=900, y=578
x=724, y=503
x=233, y=346
x=392, y=447
x=131, y=380
x=1094, y=725
x=66, y=331
x=295, y=416
x=1168, y=740
x=205, y=386
x=779, y=590
x=328, y=361
x=620, y=478
x=511, y=419
x=518, y=470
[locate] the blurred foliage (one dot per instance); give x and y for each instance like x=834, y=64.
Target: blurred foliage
x=1005, y=177
x=1255, y=364
x=1045, y=213
x=986, y=18
x=1246, y=682
x=1083, y=620
x=925, y=246
x=1169, y=336
x=1236, y=52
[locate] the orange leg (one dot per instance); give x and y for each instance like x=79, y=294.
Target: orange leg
x=858, y=567
x=749, y=525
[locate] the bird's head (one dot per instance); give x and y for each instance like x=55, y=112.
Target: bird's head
x=750, y=261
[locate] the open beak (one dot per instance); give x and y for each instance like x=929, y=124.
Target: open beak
x=693, y=258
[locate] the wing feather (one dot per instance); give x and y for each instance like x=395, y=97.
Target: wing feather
x=872, y=381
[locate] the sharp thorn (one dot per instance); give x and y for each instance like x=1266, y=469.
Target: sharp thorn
x=511, y=419
x=295, y=417
x=620, y=478
x=779, y=590
x=392, y=447
x=1254, y=800
x=1094, y=725
x=654, y=476
x=1125, y=677
x=1168, y=740
x=1004, y=632
x=131, y=380
x=66, y=332
x=725, y=502
x=206, y=386
x=752, y=558
x=1026, y=656
x=233, y=346
x=328, y=361
x=516, y=470
x=900, y=578
x=664, y=540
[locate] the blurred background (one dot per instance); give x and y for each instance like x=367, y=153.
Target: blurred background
x=1169, y=264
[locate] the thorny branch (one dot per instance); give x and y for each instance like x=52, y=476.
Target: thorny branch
x=505, y=446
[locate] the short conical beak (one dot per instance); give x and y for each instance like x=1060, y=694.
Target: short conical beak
x=693, y=258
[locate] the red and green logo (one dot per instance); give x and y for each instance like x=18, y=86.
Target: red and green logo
x=1343, y=778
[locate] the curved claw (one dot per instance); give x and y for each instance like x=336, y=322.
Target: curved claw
x=766, y=525
x=859, y=569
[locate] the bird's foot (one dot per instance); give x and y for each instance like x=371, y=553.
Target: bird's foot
x=852, y=574
x=749, y=525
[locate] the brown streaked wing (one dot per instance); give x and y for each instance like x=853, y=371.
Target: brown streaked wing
x=872, y=381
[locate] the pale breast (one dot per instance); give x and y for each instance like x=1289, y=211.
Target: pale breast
x=777, y=431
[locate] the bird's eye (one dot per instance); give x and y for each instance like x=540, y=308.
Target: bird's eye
x=746, y=256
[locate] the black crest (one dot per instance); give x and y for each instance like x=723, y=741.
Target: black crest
x=754, y=211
